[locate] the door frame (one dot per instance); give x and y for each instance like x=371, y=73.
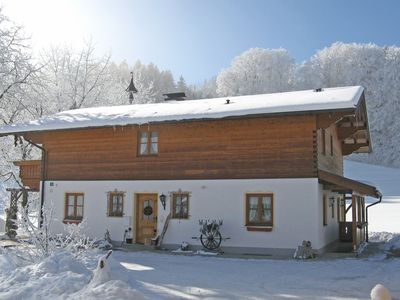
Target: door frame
x=136, y=211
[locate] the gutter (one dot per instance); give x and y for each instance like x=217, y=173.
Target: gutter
x=42, y=179
x=366, y=215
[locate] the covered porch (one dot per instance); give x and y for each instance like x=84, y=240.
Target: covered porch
x=351, y=208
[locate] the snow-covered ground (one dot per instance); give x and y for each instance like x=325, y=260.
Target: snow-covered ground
x=383, y=216
x=146, y=275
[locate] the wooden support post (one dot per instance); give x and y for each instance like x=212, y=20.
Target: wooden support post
x=11, y=213
x=354, y=220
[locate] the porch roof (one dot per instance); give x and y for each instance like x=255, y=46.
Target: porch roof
x=346, y=185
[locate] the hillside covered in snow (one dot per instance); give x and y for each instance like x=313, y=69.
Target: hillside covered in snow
x=385, y=215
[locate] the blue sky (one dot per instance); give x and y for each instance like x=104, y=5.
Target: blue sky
x=199, y=38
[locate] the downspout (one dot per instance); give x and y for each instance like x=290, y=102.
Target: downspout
x=366, y=215
x=42, y=175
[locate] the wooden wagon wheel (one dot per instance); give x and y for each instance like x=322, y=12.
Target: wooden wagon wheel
x=211, y=240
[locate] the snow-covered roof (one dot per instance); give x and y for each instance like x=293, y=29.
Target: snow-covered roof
x=278, y=103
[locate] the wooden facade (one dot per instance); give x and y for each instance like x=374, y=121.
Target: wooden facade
x=277, y=146
x=269, y=147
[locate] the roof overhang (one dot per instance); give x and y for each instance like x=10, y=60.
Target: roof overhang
x=353, y=131
x=344, y=185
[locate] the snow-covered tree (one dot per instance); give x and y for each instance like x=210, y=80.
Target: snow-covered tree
x=17, y=70
x=114, y=92
x=151, y=83
x=181, y=85
x=257, y=71
x=205, y=90
x=19, y=79
x=375, y=68
x=75, y=79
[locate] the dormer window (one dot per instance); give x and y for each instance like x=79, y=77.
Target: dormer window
x=148, y=143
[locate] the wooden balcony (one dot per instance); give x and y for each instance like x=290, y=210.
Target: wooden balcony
x=29, y=172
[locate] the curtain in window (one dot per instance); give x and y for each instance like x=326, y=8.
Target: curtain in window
x=143, y=142
x=253, y=204
x=154, y=143
x=116, y=207
x=79, y=206
x=266, y=213
x=181, y=206
x=71, y=204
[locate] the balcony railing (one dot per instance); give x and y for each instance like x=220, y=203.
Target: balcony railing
x=29, y=172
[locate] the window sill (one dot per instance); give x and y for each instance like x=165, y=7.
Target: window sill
x=259, y=228
x=114, y=216
x=148, y=155
x=70, y=221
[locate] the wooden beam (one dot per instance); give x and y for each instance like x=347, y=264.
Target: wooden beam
x=354, y=221
x=365, y=149
x=350, y=148
x=348, y=185
x=325, y=120
x=346, y=132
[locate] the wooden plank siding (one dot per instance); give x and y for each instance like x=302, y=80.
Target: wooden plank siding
x=29, y=173
x=330, y=157
x=264, y=147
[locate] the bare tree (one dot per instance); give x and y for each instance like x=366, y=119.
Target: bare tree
x=74, y=79
x=16, y=70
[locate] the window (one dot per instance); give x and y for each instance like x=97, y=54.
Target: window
x=338, y=208
x=323, y=142
x=259, y=210
x=180, y=205
x=74, y=206
x=332, y=206
x=148, y=143
x=115, y=204
x=342, y=210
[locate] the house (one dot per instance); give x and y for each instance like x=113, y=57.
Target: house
x=269, y=166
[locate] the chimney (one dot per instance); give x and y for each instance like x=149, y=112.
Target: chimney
x=180, y=96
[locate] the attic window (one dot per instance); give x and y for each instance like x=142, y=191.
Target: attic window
x=148, y=143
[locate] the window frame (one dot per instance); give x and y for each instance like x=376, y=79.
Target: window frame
x=111, y=211
x=323, y=141
x=258, y=223
x=74, y=218
x=174, y=196
x=149, y=143
x=324, y=210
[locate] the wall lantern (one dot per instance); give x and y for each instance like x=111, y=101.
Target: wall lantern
x=163, y=199
x=331, y=201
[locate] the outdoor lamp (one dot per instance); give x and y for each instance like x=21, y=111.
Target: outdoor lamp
x=163, y=199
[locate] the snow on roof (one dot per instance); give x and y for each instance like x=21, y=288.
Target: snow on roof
x=290, y=102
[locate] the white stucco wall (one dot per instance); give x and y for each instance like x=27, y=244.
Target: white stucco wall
x=297, y=209
x=329, y=233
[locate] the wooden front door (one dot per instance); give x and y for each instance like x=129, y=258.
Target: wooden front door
x=146, y=217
